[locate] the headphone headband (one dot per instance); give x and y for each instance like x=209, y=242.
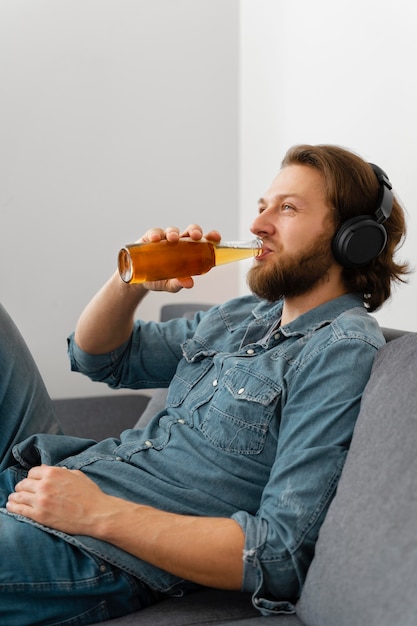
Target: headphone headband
x=385, y=198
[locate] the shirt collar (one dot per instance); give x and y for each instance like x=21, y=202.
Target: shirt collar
x=311, y=320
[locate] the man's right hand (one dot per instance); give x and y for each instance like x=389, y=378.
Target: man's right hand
x=108, y=319
x=194, y=232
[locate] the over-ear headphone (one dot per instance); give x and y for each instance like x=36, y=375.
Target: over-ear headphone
x=361, y=239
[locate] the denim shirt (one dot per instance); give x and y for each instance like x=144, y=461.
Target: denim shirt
x=258, y=422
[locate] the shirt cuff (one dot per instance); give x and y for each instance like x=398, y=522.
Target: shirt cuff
x=256, y=535
x=96, y=366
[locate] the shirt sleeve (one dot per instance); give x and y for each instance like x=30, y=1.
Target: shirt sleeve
x=148, y=360
x=319, y=409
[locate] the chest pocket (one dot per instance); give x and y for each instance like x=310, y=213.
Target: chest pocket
x=241, y=410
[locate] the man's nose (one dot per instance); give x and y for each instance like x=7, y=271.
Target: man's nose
x=262, y=224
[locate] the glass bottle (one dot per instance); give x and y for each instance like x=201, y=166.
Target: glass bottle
x=148, y=262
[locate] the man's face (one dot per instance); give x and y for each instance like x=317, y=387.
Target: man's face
x=296, y=226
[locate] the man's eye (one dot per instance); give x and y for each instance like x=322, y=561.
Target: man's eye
x=287, y=207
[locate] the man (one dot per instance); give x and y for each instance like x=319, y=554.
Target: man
x=228, y=486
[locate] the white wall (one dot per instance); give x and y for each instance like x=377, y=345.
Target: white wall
x=116, y=115
x=121, y=114
x=332, y=72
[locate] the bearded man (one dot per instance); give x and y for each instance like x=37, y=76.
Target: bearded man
x=229, y=484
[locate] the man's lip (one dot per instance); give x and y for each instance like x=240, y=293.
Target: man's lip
x=264, y=252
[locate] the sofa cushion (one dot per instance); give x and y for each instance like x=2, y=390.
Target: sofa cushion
x=156, y=403
x=99, y=417
x=204, y=607
x=365, y=567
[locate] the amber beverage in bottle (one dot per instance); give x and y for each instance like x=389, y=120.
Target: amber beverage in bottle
x=148, y=262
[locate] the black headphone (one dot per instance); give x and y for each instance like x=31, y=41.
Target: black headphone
x=361, y=239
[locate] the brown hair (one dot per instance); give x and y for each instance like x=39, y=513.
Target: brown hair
x=352, y=189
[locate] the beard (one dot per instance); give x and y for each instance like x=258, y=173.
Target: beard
x=292, y=275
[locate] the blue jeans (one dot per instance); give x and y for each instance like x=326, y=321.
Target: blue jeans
x=43, y=579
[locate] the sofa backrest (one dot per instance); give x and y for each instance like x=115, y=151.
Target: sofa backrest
x=393, y=333
x=365, y=568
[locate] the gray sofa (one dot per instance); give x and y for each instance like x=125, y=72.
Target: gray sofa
x=364, y=572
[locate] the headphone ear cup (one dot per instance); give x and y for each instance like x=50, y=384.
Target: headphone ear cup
x=358, y=241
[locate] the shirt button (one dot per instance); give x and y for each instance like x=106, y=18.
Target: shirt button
x=241, y=390
x=119, y=458
x=250, y=351
x=181, y=421
x=215, y=382
x=148, y=444
x=276, y=336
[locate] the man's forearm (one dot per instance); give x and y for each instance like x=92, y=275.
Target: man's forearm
x=107, y=320
x=205, y=550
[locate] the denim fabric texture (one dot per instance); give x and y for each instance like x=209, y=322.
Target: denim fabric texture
x=44, y=580
x=258, y=422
